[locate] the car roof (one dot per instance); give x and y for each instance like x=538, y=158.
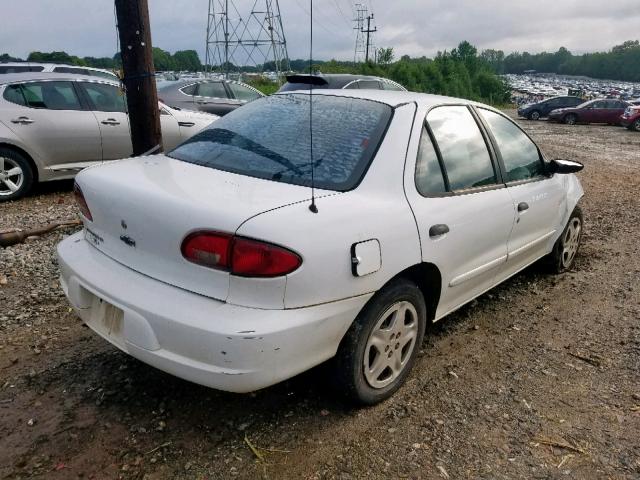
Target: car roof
x=393, y=98
x=32, y=76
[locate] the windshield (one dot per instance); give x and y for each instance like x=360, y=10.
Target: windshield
x=269, y=138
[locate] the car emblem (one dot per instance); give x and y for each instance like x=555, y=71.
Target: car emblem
x=128, y=240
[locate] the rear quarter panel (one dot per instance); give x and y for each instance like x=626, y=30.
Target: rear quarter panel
x=377, y=209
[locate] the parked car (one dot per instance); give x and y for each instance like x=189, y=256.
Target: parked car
x=339, y=81
x=52, y=125
x=215, y=96
x=631, y=118
x=213, y=264
x=536, y=111
x=593, y=111
x=24, y=67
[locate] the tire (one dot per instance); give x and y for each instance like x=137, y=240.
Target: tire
x=570, y=119
x=535, y=115
x=564, y=252
x=635, y=126
x=17, y=185
x=391, y=361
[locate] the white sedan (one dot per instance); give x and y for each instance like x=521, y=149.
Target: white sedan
x=215, y=264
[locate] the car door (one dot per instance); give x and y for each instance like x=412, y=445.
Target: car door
x=213, y=97
x=616, y=108
x=109, y=106
x=463, y=211
x=243, y=93
x=539, y=200
x=171, y=136
x=597, y=112
x=50, y=118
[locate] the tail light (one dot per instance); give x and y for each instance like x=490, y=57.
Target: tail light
x=239, y=256
x=82, y=203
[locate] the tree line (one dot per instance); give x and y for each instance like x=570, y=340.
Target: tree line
x=182, y=60
x=622, y=62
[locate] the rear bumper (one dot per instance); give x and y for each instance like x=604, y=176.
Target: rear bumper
x=197, y=338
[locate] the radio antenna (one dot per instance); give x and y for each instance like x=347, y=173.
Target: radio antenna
x=313, y=206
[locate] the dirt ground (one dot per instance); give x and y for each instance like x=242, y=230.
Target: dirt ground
x=539, y=378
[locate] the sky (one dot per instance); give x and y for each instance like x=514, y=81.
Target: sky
x=411, y=27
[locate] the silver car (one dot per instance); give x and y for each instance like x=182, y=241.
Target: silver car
x=53, y=125
x=208, y=95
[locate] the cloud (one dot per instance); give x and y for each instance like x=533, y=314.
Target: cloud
x=413, y=27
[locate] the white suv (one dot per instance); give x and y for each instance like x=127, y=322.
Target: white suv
x=218, y=264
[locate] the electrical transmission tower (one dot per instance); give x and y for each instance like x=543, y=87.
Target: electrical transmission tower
x=256, y=39
x=360, y=51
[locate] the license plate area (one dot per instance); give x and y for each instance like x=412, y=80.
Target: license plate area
x=107, y=320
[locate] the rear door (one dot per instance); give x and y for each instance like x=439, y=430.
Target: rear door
x=50, y=117
x=538, y=200
x=463, y=211
x=109, y=107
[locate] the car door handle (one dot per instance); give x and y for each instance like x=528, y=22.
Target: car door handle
x=110, y=121
x=186, y=124
x=438, y=230
x=22, y=120
x=522, y=206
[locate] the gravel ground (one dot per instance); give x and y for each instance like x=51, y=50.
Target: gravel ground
x=539, y=378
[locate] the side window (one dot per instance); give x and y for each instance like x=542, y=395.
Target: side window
x=391, y=86
x=243, y=93
x=76, y=71
x=212, y=89
x=520, y=155
x=189, y=89
x=464, y=151
x=19, y=69
x=370, y=85
x=429, y=179
x=51, y=95
x=352, y=86
x=13, y=94
x=599, y=104
x=105, y=98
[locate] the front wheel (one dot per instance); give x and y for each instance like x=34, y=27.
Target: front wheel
x=570, y=119
x=635, y=126
x=566, y=247
x=379, y=350
x=535, y=115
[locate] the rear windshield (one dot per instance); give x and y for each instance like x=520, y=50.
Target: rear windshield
x=269, y=138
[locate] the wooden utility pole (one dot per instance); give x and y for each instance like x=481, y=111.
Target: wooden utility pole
x=139, y=75
x=368, y=31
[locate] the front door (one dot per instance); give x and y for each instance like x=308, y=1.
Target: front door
x=538, y=200
x=49, y=117
x=464, y=213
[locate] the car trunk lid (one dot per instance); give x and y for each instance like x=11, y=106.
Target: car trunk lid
x=143, y=208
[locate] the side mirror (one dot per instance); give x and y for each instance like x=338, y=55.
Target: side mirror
x=564, y=166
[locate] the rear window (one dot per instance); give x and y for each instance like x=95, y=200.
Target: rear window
x=269, y=138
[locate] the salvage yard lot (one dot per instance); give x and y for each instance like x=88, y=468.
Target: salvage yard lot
x=539, y=378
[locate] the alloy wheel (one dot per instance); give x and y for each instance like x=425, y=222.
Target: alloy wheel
x=570, y=120
x=11, y=176
x=636, y=125
x=390, y=344
x=571, y=241
x=535, y=115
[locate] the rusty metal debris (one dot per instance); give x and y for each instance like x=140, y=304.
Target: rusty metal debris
x=13, y=237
